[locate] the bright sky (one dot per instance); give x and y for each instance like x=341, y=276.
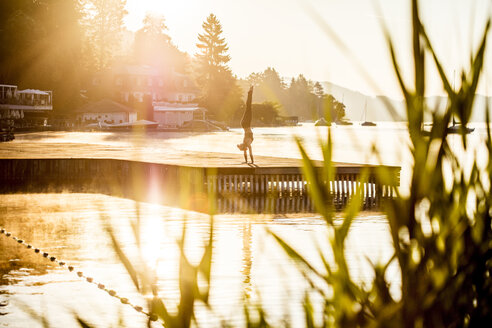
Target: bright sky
x=286, y=35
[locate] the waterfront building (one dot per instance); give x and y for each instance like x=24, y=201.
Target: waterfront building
x=173, y=115
x=105, y=111
x=133, y=83
x=25, y=108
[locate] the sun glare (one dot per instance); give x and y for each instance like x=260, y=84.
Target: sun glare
x=138, y=9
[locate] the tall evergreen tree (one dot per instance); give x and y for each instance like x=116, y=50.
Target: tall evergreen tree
x=301, y=100
x=318, y=90
x=104, y=24
x=220, y=93
x=212, y=45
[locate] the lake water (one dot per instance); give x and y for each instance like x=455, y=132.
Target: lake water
x=247, y=261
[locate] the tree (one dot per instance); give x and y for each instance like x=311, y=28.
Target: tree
x=318, y=90
x=319, y=93
x=40, y=47
x=104, y=24
x=332, y=107
x=300, y=99
x=153, y=46
x=220, y=93
x=212, y=46
x=265, y=113
x=270, y=87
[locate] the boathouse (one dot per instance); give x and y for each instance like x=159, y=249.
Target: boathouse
x=105, y=111
x=173, y=115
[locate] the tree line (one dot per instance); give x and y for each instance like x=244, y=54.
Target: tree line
x=60, y=44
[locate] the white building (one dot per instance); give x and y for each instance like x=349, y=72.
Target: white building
x=25, y=100
x=106, y=111
x=174, y=115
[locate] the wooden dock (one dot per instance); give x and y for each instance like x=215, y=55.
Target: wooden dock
x=190, y=180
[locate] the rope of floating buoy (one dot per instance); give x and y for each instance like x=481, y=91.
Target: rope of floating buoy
x=80, y=274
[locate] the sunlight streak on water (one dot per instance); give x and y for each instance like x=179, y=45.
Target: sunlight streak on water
x=70, y=226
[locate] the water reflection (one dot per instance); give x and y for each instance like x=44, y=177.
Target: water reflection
x=247, y=259
x=70, y=226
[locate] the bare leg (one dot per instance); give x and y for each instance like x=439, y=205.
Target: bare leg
x=247, y=116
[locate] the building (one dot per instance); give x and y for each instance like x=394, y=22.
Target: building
x=182, y=89
x=133, y=83
x=105, y=111
x=171, y=115
x=28, y=108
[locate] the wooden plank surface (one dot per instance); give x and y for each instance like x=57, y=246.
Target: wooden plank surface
x=224, y=161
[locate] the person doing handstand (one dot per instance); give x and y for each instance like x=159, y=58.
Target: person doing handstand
x=246, y=125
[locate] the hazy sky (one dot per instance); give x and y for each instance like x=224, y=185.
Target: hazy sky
x=287, y=35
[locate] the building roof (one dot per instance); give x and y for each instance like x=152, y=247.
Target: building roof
x=34, y=91
x=177, y=108
x=104, y=106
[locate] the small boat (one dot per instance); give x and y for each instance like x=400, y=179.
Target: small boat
x=137, y=125
x=322, y=122
x=344, y=122
x=458, y=128
x=366, y=122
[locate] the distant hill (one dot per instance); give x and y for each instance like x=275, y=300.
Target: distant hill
x=377, y=106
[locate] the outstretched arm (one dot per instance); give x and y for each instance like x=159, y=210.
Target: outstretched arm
x=245, y=156
x=250, y=154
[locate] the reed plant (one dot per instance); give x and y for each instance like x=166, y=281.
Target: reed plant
x=441, y=231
